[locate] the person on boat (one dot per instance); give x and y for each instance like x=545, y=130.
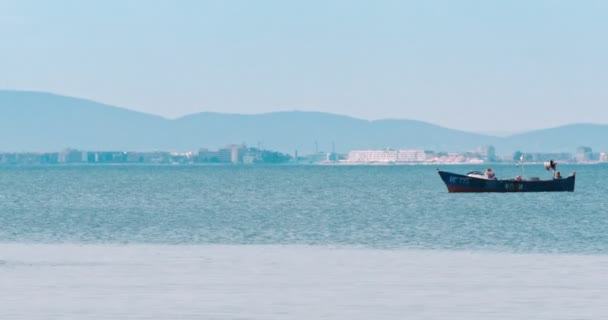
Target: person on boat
x=518, y=178
x=558, y=175
x=490, y=174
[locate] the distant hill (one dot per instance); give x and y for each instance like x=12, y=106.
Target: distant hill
x=289, y=131
x=35, y=121
x=563, y=139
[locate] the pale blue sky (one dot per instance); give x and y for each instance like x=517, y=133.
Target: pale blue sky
x=473, y=65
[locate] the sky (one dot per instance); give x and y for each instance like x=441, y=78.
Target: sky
x=485, y=66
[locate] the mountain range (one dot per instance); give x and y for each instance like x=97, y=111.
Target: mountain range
x=38, y=121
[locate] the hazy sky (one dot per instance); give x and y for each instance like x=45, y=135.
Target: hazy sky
x=475, y=65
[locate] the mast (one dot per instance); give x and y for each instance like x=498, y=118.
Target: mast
x=521, y=164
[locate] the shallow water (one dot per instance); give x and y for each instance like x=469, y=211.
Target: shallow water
x=295, y=282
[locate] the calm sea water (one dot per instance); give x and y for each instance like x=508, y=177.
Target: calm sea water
x=296, y=242
x=377, y=207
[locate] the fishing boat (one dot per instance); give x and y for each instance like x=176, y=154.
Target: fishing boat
x=486, y=182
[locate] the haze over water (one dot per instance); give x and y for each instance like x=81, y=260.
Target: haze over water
x=298, y=242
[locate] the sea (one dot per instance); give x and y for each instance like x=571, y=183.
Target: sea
x=297, y=242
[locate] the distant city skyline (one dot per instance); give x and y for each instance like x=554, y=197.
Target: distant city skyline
x=490, y=67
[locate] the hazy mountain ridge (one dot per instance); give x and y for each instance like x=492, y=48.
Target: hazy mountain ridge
x=36, y=121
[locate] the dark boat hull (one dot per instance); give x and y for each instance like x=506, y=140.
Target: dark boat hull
x=461, y=183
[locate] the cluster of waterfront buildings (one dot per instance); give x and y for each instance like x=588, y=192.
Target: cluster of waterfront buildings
x=235, y=154
x=485, y=154
x=410, y=156
x=241, y=154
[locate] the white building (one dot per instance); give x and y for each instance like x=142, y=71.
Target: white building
x=451, y=157
x=603, y=157
x=386, y=156
x=411, y=156
x=72, y=156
